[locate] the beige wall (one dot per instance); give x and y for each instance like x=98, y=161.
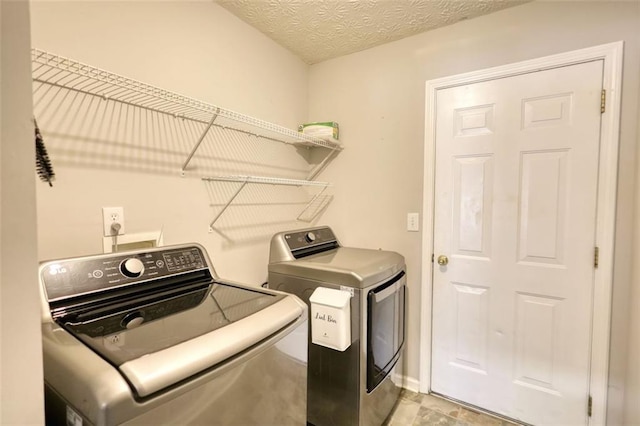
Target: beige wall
x=194, y=48
x=21, y=401
x=378, y=98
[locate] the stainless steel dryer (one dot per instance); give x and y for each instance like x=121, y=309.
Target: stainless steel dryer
x=358, y=386
x=154, y=337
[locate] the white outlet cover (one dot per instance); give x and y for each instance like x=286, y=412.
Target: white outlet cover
x=108, y=213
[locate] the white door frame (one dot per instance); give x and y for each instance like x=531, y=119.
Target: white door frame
x=611, y=54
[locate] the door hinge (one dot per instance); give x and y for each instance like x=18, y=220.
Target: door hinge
x=603, y=101
x=589, y=406
x=433, y=256
x=596, y=257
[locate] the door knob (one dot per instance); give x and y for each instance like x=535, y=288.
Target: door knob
x=443, y=260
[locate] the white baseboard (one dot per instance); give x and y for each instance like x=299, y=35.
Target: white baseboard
x=408, y=383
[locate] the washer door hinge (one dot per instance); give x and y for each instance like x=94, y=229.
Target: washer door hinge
x=603, y=101
x=596, y=257
x=589, y=406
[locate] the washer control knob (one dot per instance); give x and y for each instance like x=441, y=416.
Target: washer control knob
x=132, y=267
x=310, y=237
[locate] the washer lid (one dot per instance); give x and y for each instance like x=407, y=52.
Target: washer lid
x=208, y=327
x=351, y=267
x=156, y=371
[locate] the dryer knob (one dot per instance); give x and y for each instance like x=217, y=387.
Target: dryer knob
x=310, y=237
x=132, y=267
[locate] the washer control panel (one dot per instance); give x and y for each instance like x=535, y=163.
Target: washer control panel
x=309, y=238
x=75, y=277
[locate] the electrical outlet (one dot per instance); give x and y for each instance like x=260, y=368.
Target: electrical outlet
x=413, y=224
x=111, y=215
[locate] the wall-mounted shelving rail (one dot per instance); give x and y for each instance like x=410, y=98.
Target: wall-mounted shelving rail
x=244, y=180
x=65, y=73
x=60, y=72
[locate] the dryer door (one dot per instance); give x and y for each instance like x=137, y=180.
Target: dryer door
x=385, y=328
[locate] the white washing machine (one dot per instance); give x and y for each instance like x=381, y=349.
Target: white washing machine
x=360, y=385
x=154, y=337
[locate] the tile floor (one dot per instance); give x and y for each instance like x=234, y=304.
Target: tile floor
x=416, y=409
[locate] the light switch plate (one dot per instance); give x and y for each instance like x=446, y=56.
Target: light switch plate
x=413, y=222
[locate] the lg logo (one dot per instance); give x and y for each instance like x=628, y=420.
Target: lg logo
x=57, y=269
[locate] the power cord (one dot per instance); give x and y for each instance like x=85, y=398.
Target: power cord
x=115, y=230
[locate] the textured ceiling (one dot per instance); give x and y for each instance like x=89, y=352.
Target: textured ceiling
x=317, y=30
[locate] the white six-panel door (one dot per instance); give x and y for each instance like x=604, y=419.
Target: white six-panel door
x=515, y=215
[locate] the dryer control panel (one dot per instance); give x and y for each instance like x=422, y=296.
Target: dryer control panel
x=287, y=246
x=309, y=238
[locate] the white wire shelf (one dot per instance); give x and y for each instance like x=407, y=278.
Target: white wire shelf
x=266, y=180
x=244, y=180
x=58, y=71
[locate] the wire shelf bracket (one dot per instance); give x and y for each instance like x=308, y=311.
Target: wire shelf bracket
x=245, y=180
